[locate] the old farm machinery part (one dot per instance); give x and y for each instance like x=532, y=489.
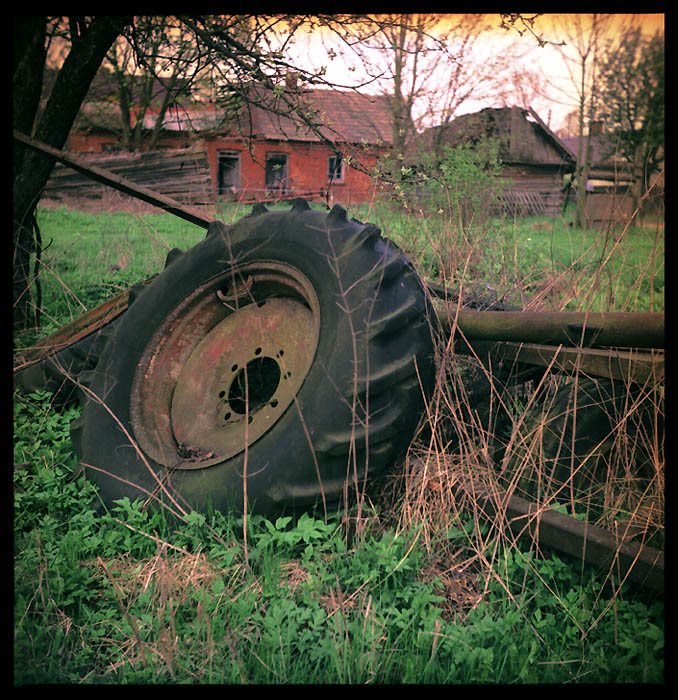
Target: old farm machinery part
x=287, y=359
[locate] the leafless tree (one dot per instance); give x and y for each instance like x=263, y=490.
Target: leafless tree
x=583, y=36
x=432, y=65
x=153, y=65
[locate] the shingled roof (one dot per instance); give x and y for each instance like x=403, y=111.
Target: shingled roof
x=521, y=133
x=344, y=116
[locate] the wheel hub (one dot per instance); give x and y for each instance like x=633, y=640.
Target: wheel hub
x=225, y=365
x=240, y=378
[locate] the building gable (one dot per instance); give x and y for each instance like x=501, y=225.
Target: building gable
x=523, y=137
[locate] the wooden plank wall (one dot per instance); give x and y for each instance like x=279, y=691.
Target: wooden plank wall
x=606, y=207
x=180, y=174
x=532, y=193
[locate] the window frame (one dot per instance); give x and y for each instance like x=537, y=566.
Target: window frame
x=236, y=155
x=332, y=176
x=272, y=155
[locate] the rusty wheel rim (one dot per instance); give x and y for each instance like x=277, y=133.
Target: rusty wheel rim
x=225, y=365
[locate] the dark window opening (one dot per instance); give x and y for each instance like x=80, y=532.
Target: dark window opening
x=335, y=168
x=277, y=179
x=228, y=172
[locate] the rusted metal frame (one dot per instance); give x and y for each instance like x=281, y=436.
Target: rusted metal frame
x=636, y=562
x=78, y=328
x=121, y=184
x=624, y=365
x=570, y=328
x=639, y=563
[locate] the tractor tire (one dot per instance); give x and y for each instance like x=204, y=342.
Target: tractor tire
x=282, y=362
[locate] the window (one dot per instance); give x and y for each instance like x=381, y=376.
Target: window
x=228, y=172
x=335, y=168
x=277, y=177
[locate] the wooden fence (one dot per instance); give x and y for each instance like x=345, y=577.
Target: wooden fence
x=518, y=201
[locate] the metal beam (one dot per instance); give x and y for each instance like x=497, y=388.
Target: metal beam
x=77, y=329
x=633, y=365
x=641, y=564
x=569, y=328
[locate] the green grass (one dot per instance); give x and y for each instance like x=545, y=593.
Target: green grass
x=89, y=257
x=424, y=592
x=535, y=261
x=134, y=597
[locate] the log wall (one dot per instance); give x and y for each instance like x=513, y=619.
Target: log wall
x=182, y=174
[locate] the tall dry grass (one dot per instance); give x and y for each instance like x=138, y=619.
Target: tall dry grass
x=488, y=429
x=580, y=444
x=584, y=445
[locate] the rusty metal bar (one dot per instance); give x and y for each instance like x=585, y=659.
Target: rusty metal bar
x=98, y=174
x=77, y=329
x=641, y=564
x=625, y=365
x=570, y=328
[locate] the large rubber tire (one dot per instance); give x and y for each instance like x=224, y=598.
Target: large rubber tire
x=167, y=402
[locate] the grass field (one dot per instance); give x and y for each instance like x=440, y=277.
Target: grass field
x=420, y=589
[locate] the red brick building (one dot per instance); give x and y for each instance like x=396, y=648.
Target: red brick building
x=265, y=152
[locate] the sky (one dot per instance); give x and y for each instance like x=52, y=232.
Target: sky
x=344, y=70
x=560, y=99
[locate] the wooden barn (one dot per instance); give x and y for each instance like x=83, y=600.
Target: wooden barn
x=610, y=179
x=261, y=152
x=534, y=160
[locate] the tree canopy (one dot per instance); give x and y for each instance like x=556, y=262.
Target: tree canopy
x=632, y=100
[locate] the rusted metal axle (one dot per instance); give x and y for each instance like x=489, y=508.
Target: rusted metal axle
x=569, y=328
x=622, y=346
x=633, y=561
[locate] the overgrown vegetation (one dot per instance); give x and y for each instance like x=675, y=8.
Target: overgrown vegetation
x=445, y=215
x=415, y=585
x=132, y=597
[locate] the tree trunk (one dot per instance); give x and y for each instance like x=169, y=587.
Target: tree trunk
x=31, y=169
x=28, y=66
x=582, y=149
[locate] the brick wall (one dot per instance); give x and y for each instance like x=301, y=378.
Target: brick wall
x=307, y=169
x=307, y=165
